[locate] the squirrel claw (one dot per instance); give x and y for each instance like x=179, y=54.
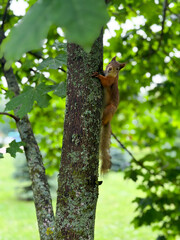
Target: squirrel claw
x=95, y=74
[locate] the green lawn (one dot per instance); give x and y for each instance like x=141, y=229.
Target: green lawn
x=114, y=210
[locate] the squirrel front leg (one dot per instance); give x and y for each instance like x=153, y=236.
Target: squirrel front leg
x=106, y=81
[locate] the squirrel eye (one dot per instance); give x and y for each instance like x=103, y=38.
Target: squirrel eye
x=110, y=69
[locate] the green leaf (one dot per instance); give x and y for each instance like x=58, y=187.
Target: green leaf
x=1, y=155
x=81, y=21
x=53, y=63
x=61, y=90
x=24, y=102
x=41, y=95
x=59, y=45
x=14, y=147
x=30, y=32
x=9, y=94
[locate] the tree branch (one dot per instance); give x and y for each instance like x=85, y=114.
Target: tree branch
x=37, y=55
x=3, y=89
x=10, y=115
x=165, y=6
x=62, y=69
x=122, y=146
x=5, y=13
x=40, y=187
x=134, y=159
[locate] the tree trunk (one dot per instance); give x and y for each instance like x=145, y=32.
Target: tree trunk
x=78, y=175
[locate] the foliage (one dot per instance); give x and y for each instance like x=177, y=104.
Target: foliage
x=14, y=147
x=53, y=63
x=25, y=100
x=148, y=119
x=149, y=115
x=72, y=16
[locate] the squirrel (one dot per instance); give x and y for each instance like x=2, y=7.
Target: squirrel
x=110, y=104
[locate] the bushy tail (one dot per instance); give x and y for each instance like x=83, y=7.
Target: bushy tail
x=105, y=147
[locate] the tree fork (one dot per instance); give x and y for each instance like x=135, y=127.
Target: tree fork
x=78, y=175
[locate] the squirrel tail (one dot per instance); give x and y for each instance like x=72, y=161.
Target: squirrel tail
x=105, y=147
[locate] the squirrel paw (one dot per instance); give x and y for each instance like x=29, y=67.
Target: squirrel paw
x=95, y=74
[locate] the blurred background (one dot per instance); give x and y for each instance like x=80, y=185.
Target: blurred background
x=140, y=197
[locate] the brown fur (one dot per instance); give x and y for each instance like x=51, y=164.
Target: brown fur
x=105, y=147
x=111, y=101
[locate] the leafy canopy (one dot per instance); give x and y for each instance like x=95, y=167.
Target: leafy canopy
x=81, y=21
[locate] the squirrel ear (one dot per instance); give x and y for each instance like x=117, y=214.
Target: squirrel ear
x=114, y=59
x=122, y=65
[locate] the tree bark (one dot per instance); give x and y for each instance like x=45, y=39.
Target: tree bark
x=78, y=174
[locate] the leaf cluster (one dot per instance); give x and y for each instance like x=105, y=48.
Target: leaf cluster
x=72, y=16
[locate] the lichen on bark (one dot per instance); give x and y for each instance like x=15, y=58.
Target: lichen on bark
x=78, y=175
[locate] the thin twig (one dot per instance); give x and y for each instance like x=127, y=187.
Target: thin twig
x=122, y=145
x=62, y=69
x=36, y=54
x=4, y=89
x=10, y=115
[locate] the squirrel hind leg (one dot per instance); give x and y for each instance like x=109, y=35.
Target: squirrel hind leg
x=108, y=113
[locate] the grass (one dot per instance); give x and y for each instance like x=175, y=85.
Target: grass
x=114, y=210
x=17, y=218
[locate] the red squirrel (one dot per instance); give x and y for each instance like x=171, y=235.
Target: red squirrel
x=111, y=101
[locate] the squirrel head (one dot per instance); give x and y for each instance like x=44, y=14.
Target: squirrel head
x=113, y=68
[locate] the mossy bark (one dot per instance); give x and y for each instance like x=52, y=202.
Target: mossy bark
x=78, y=175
